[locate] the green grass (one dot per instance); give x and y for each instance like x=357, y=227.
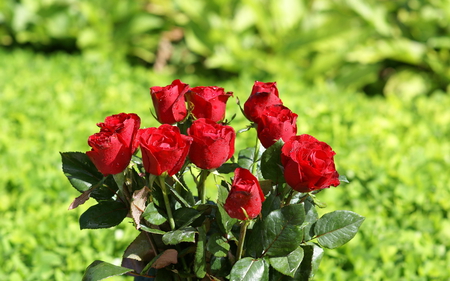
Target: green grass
x=395, y=152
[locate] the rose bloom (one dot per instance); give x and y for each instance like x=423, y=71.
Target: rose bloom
x=276, y=122
x=114, y=145
x=262, y=96
x=208, y=102
x=245, y=194
x=169, y=102
x=164, y=149
x=212, y=145
x=308, y=164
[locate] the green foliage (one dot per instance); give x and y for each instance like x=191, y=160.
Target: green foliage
x=390, y=47
x=394, y=151
x=99, y=270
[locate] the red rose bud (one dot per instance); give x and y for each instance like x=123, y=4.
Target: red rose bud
x=169, y=102
x=114, y=145
x=208, y=102
x=212, y=145
x=276, y=122
x=262, y=96
x=269, y=87
x=308, y=164
x=164, y=149
x=245, y=194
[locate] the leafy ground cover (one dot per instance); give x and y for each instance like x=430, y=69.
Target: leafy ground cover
x=395, y=150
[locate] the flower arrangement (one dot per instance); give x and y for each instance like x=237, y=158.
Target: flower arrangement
x=263, y=225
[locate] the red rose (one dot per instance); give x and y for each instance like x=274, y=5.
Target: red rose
x=212, y=145
x=269, y=87
x=262, y=96
x=208, y=102
x=245, y=194
x=169, y=102
x=164, y=149
x=308, y=164
x=276, y=122
x=114, y=145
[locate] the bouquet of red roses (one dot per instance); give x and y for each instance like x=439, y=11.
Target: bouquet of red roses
x=263, y=225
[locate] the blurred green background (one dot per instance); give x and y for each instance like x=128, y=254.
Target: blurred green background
x=368, y=77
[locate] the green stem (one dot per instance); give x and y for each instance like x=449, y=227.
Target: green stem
x=243, y=232
x=201, y=185
x=255, y=157
x=165, y=191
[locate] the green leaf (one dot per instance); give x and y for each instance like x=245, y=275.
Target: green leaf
x=218, y=245
x=227, y=168
x=80, y=170
x=282, y=230
x=289, y=264
x=271, y=203
x=246, y=158
x=152, y=230
x=220, y=267
x=179, y=235
x=311, y=260
x=253, y=245
x=271, y=167
x=138, y=252
x=152, y=215
x=222, y=193
x=311, y=217
x=99, y=270
x=249, y=269
x=103, y=215
x=337, y=228
x=224, y=221
x=200, y=258
x=185, y=216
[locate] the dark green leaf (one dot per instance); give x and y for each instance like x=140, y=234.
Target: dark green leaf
x=271, y=167
x=222, y=193
x=200, y=254
x=246, y=158
x=106, y=190
x=152, y=215
x=311, y=216
x=99, y=270
x=271, y=203
x=138, y=253
x=227, y=168
x=224, y=221
x=80, y=170
x=289, y=264
x=249, y=269
x=152, y=230
x=179, y=235
x=103, y=215
x=220, y=266
x=185, y=216
x=254, y=247
x=283, y=230
x=311, y=260
x=337, y=228
x=218, y=245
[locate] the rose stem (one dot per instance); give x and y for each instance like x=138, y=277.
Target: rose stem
x=201, y=185
x=255, y=157
x=162, y=183
x=243, y=231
